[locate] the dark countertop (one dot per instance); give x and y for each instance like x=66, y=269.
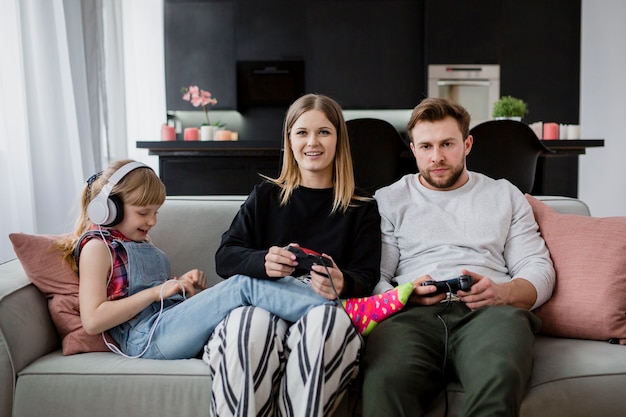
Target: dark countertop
x=573, y=146
x=275, y=146
x=209, y=144
x=216, y=148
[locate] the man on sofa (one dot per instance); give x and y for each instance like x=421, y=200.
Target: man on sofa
x=437, y=225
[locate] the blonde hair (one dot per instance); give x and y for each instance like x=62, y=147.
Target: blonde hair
x=140, y=187
x=343, y=173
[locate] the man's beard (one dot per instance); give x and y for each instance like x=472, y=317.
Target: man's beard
x=445, y=183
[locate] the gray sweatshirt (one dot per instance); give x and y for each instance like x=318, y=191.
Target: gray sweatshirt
x=486, y=226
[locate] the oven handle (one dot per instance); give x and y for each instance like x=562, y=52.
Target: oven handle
x=476, y=83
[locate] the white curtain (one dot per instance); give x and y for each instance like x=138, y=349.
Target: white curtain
x=46, y=140
x=63, y=106
x=14, y=166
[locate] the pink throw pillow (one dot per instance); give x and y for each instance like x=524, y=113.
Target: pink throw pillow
x=54, y=277
x=589, y=255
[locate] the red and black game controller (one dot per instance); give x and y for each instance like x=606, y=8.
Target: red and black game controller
x=307, y=258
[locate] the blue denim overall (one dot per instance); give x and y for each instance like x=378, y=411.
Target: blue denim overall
x=184, y=327
x=147, y=267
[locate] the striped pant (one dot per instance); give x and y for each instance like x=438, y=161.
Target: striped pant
x=262, y=365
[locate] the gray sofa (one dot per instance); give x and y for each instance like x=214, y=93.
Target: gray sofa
x=571, y=377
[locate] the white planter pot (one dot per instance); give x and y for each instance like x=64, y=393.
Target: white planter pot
x=516, y=118
x=207, y=132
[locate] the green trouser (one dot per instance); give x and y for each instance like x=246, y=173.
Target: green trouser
x=489, y=351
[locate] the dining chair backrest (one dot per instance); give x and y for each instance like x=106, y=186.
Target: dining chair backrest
x=376, y=146
x=506, y=149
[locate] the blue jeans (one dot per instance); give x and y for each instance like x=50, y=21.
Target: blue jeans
x=184, y=327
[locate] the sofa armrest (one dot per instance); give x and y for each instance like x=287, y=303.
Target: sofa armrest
x=565, y=205
x=26, y=329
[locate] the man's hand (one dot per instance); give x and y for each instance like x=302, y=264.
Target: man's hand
x=425, y=295
x=518, y=292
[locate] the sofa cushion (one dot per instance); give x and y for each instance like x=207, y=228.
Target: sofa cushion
x=106, y=384
x=54, y=277
x=589, y=255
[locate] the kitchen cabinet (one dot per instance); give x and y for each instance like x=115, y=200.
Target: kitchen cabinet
x=462, y=32
x=373, y=54
x=200, y=50
x=213, y=167
x=366, y=54
x=269, y=30
x=540, y=57
x=215, y=174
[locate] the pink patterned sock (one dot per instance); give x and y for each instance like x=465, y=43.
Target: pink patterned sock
x=367, y=312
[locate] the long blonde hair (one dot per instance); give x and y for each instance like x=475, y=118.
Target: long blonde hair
x=140, y=187
x=343, y=173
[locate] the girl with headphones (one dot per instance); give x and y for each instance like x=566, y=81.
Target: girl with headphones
x=126, y=288
x=125, y=284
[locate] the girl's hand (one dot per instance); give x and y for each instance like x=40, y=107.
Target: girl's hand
x=170, y=288
x=279, y=262
x=197, y=277
x=321, y=283
x=189, y=281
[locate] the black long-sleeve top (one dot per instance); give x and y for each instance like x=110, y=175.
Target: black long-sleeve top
x=352, y=238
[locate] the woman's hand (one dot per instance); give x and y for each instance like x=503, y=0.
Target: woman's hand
x=279, y=262
x=321, y=283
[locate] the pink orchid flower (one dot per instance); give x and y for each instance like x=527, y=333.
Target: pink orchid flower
x=198, y=97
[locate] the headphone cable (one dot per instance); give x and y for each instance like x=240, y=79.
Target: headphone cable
x=115, y=349
x=110, y=345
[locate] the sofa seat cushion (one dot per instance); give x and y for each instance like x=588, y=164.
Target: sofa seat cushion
x=574, y=377
x=571, y=377
x=106, y=381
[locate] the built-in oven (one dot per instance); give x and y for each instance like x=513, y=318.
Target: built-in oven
x=475, y=87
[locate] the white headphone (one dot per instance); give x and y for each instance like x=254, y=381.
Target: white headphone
x=106, y=209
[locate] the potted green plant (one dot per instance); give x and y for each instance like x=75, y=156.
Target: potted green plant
x=508, y=107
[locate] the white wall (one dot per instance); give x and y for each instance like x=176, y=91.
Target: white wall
x=602, y=175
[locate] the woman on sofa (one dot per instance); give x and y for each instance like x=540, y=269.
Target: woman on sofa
x=260, y=363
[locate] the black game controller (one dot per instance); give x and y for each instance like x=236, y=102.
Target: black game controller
x=307, y=257
x=463, y=283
